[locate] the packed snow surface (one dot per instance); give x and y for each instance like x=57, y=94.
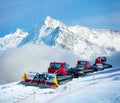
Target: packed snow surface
x=98, y=87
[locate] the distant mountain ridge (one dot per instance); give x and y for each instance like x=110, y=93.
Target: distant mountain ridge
x=78, y=39
x=12, y=40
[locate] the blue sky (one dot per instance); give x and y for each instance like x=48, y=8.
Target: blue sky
x=24, y=14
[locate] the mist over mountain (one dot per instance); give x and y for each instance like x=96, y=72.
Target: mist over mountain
x=78, y=39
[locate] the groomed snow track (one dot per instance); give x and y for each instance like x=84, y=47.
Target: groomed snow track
x=14, y=93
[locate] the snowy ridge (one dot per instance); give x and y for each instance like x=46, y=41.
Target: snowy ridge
x=83, y=40
x=49, y=22
x=78, y=39
x=32, y=37
x=12, y=40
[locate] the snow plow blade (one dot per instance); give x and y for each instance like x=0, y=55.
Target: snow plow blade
x=45, y=80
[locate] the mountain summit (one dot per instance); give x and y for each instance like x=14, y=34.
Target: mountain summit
x=78, y=39
x=49, y=22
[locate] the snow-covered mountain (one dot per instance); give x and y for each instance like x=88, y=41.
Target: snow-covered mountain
x=81, y=40
x=78, y=39
x=12, y=40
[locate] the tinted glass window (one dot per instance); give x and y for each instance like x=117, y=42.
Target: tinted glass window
x=81, y=63
x=65, y=66
x=57, y=66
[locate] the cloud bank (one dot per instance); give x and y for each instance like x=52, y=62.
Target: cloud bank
x=30, y=58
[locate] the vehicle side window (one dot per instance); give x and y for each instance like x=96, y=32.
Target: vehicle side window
x=57, y=66
x=81, y=63
x=65, y=66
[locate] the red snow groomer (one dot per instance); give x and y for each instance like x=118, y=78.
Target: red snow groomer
x=84, y=65
x=63, y=72
x=100, y=64
x=58, y=73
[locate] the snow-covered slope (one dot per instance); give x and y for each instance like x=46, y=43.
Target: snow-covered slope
x=12, y=40
x=99, y=87
x=78, y=39
x=83, y=40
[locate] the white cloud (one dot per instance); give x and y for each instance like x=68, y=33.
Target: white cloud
x=31, y=58
x=37, y=58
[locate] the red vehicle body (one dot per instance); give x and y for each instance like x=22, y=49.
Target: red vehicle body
x=41, y=82
x=100, y=64
x=83, y=63
x=60, y=68
x=99, y=60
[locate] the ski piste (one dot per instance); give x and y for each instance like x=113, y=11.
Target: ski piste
x=14, y=93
